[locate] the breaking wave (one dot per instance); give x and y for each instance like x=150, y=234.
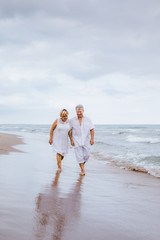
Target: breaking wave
x=135, y=139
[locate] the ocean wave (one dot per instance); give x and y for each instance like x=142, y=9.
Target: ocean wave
x=146, y=165
x=119, y=133
x=131, y=138
x=154, y=172
x=135, y=168
x=102, y=143
x=126, y=131
x=152, y=160
x=149, y=170
x=100, y=157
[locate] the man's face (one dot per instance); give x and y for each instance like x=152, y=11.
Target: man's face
x=79, y=112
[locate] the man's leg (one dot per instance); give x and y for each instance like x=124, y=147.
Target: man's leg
x=79, y=156
x=82, y=169
x=86, y=152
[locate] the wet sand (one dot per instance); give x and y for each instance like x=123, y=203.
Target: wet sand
x=7, y=141
x=37, y=202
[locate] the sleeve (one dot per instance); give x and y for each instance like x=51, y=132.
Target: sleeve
x=91, y=125
x=70, y=124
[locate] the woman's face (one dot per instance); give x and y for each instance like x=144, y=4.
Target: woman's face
x=64, y=119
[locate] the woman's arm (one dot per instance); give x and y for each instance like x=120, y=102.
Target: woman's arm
x=70, y=136
x=54, y=125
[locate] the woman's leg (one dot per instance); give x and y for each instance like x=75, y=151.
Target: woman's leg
x=59, y=158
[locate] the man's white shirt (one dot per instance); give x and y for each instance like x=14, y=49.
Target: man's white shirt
x=81, y=133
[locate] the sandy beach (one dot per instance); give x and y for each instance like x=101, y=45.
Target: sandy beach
x=36, y=202
x=7, y=141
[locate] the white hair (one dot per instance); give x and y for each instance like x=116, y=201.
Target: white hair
x=79, y=106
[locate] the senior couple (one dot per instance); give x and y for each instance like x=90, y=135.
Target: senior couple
x=81, y=133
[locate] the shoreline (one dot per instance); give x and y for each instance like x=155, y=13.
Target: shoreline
x=8, y=143
x=125, y=166
x=106, y=202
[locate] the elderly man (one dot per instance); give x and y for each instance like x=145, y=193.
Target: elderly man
x=81, y=136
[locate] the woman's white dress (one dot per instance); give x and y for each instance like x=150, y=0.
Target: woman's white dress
x=60, y=137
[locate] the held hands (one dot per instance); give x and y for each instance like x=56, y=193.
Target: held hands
x=91, y=141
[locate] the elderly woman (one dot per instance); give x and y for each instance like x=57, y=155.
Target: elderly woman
x=59, y=136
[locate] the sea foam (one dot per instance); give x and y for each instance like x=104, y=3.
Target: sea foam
x=131, y=138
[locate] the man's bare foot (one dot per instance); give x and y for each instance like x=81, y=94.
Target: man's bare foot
x=82, y=173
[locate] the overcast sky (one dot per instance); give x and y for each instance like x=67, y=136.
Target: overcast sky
x=104, y=54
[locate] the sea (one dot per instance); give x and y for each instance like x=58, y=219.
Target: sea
x=132, y=147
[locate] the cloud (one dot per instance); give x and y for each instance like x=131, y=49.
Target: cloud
x=99, y=53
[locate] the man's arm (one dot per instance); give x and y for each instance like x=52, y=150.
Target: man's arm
x=92, y=136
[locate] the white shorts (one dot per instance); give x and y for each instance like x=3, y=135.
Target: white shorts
x=82, y=154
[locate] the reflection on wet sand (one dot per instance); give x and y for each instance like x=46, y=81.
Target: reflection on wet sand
x=54, y=213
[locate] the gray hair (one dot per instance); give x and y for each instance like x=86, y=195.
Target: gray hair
x=79, y=106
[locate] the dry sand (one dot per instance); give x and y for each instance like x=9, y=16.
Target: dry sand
x=7, y=141
x=37, y=203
